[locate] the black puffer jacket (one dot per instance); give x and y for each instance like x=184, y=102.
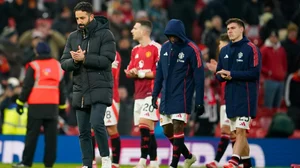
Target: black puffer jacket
x=92, y=79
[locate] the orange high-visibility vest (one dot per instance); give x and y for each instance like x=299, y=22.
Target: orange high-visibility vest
x=47, y=75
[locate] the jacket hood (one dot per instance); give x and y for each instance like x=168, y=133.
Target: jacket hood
x=102, y=21
x=244, y=40
x=271, y=45
x=99, y=22
x=176, y=27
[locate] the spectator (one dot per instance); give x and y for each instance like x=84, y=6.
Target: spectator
x=292, y=99
x=292, y=48
x=10, y=48
x=63, y=23
x=274, y=68
x=5, y=13
x=55, y=40
x=126, y=8
x=25, y=13
x=13, y=124
x=251, y=11
x=29, y=52
x=211, y=36
x=184, y=11
x=116, y=24
x=158, y=16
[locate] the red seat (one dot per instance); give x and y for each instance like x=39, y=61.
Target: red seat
x=255, y=123
x=265, y=122
x=260, y=133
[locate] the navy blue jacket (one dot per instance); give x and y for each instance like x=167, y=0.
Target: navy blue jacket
x=179, y=72
x=243, y=60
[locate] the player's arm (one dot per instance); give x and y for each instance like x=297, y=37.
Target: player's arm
x=62, y=94
x=254, y=67
x=198, y=73
x=107, y=53
x=67, y=62
x=151, y=74
x=28, y=84
x=131, y=71
x=220, y=66
x=158, y=80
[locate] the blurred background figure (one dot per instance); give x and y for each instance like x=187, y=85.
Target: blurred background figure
x=274, y=70
x=43, y=30
x=10, y=49
x=13, y=123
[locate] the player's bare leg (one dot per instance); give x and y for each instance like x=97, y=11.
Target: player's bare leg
x=238, y=148
x=245, y=157
x=115, y=144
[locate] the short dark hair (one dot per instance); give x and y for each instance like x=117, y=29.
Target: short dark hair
x=224, y=37
x=237, y=21
x=146, y=23
x=84, y=6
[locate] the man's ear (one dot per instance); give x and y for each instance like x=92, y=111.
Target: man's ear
x=92, y=16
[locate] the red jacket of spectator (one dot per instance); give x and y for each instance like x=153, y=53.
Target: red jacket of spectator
x=274, y=61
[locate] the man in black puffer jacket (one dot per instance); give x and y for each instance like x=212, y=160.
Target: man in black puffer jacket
x=89, y=53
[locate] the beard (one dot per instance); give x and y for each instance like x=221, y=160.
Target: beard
x=83, y=26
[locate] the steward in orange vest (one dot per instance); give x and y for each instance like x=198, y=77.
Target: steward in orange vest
x=43, y=90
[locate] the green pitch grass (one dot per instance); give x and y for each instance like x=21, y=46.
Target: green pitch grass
x=40, y=165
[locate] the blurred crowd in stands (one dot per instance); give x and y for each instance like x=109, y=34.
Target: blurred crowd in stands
x=272, y=25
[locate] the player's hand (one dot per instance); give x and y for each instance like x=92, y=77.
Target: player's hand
x=20, y=107
x=62, y=109
x=133, y=71
x=154, y=104
x=199, y=110
x=78, y=55
x=225, y=74
x=212, y=65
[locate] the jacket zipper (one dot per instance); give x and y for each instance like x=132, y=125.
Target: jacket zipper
x=84, y=36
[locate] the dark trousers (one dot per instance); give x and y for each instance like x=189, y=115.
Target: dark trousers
x=32, y=134
x=87, y=119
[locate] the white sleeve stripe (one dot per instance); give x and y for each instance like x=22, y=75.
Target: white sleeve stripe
x=287, y=90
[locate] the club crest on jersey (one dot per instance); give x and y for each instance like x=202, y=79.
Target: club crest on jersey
x=141, y=64
x=240, y=56
x=180, y=57
x=148, y=54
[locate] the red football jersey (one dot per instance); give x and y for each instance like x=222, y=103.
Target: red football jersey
x=116, y=66
x=145, y=59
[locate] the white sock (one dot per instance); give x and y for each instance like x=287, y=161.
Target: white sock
x=153, y=163
x=142, y=161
